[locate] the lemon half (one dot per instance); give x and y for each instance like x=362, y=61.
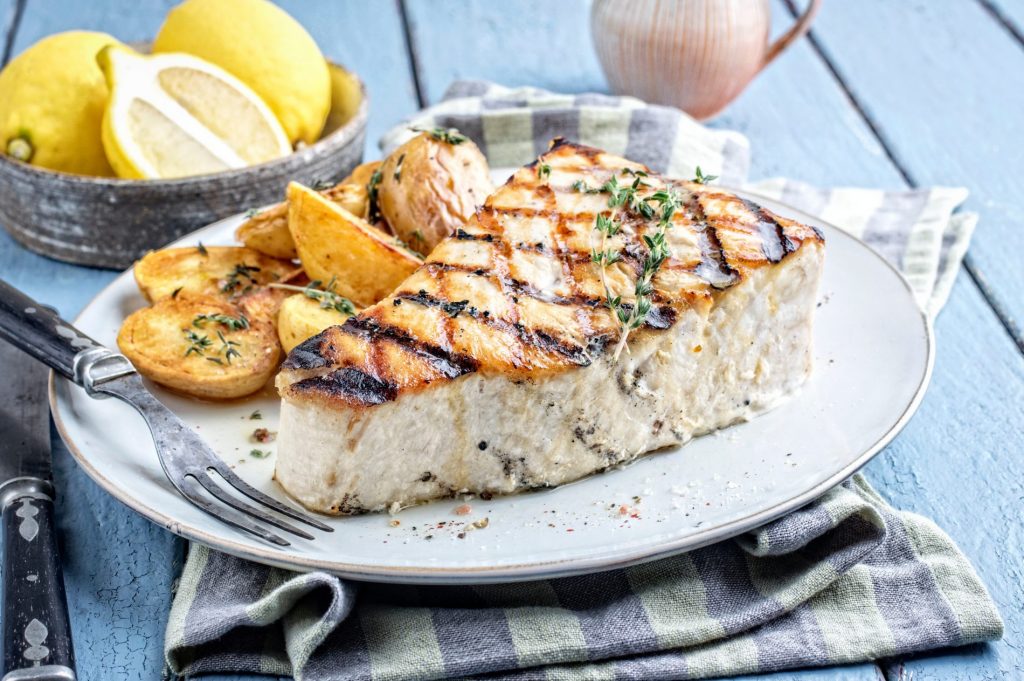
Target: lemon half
x=174, y=115
x=268, y=50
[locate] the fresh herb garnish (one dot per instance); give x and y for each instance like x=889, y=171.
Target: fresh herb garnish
x=202, y=249
x=701, y=178
x=175, y=292
x=228, y=348
x=622, y=199
x=321, y=184
x=446, y=135
x=373, y=207
x=256, y=416
x=259, y=453
x=251, y=213
x=196, y=344
x=543, y=171
x=236, y=279
x=418, y=235
x=329, y=300
x=232, y=323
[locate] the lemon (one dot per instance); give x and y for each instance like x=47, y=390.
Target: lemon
x=262, y=46
x=52, y=98
x=173, y=115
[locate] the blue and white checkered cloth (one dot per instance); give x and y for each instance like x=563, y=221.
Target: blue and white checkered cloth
x=845, y=579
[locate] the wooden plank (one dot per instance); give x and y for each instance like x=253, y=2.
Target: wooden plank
x=959, y=463
x=367, y=38
x=945, y=82
x=531, y=42
x=1010, y=13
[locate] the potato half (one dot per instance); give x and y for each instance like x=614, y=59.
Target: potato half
x=201, y=346
x=430, y=187
x=302, y=317
x=333, y=244
x=224, y=271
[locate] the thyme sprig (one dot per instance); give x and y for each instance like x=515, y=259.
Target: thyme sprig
x=662, y=205
x=232, y=323
x=326, y=296
x=228, y=348
x=446, y=135
x=196, y=344
x=543, y=171
x=700, y=178
x=373, y=193
x=237, y=278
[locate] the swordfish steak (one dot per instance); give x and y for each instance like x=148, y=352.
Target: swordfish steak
x=493, y=368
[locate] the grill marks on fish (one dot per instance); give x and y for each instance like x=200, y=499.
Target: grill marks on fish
x=774, y=243
x=713, y=267
x=534, y=258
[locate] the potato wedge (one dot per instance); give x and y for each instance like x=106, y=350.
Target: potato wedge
x=201, y=346
x=430, y=186
x=301, y=317
x=332, y=243
x=224, y=271
x=267, y=230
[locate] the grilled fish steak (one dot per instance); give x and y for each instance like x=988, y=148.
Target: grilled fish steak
x=491, y=369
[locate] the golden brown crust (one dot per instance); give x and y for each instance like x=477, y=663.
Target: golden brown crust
x=515, y=291
x=224, y=271
x=179, y=343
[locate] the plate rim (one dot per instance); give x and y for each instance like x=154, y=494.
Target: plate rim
x=532, y=570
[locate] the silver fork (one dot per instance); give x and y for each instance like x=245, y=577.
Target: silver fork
x=188, y=462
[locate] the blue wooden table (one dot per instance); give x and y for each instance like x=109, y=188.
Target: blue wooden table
x=886, y=93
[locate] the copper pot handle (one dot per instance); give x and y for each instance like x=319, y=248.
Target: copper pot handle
x=802, y=25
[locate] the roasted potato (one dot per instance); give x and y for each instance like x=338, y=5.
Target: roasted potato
x=202, y=346
x=334, y=244
x=432, y=185
x=361, y=174
x=224, y=271
x=302, y=317
x=267, y=230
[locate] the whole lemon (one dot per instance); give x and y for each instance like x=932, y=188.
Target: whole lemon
x=52, y=98
x=263, y=47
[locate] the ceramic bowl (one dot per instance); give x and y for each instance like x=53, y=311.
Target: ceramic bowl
x=110, y=222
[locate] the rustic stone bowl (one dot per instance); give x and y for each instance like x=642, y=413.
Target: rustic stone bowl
x=110, y=222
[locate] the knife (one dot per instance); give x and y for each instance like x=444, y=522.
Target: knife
x=36, y=629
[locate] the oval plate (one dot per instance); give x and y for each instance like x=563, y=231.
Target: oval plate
x=873, y=353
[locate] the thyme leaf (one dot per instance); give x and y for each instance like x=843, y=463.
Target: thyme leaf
x=232, y=323
x=372, y=192
x=701, y=178
x=446, y=135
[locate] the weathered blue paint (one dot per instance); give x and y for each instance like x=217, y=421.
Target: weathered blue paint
x=958, y=462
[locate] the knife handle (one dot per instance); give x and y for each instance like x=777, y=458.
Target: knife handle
x=39, y=331
x=36, y=631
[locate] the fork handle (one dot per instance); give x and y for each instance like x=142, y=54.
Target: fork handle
x=36, y=630
x=39, y=331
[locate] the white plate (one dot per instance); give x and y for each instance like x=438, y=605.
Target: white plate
x=873, y=359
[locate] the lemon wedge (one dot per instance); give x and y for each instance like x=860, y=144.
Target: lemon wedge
x=174, y=115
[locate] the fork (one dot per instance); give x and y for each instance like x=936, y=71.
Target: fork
x=190, y=464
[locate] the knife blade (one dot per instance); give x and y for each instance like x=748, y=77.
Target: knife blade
x=36, y=629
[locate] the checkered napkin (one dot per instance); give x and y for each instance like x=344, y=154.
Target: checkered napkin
x=845, y=579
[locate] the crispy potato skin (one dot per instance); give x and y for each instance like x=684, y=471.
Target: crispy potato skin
x=429, y=188
x=154, y=340
x=302, y=317
x=332, y=243
x=267, y=230
x=191, y=272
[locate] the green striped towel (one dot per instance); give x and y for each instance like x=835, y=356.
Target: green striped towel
x=845, y=579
